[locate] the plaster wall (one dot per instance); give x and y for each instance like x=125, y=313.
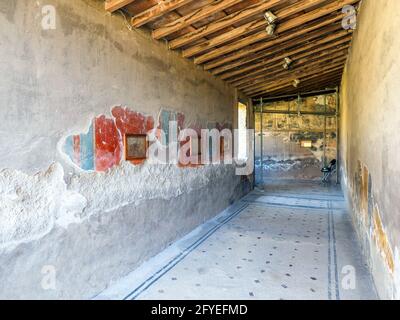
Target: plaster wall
x=89, y=218
x=369, y=139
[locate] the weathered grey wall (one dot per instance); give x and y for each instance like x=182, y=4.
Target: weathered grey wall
x=93, y=227
x=57, y=80
x=370, y=140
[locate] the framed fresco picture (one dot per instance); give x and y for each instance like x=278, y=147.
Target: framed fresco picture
x=136, y=146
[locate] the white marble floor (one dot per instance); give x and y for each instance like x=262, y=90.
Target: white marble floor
x=288, y=241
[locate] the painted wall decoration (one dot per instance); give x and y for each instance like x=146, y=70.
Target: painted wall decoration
x=108, y=144
x=80, y=149
x=104, y=145
x=165, y=117
x=131, y=122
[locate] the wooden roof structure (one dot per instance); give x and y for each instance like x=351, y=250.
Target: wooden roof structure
x=228, y=38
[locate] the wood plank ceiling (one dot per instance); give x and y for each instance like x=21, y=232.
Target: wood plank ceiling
x=229, y=39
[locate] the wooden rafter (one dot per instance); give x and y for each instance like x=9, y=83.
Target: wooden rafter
x=249, y=50
x=153, y=13
x=250, y=27
x=286, y=48
x=228, y=39
x=318, y=13
x=245, y=83
x=226, y=22
x=339, y=64
x=307, y=47
x=114, y=5
x=194, y=17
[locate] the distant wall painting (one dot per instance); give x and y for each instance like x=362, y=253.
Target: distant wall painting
x=293, y=146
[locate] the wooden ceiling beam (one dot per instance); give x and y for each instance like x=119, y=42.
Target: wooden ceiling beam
x=313, y=57
x=288, y=25
x=301, y=72
x=330, y=79
x=330, y=82
x=263, y=54
x=317, y=45
x=158, y=10
x=333, y=66
x=255, y=48
x=265, y=76
x=193, y=17
x=114, y=5
x=248, y=27
x=223, y=23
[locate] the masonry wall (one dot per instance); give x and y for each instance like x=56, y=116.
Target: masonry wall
x=370, y=120
x=70, y=206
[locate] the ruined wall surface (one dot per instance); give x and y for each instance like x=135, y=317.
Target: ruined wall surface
x=67, y=97
x=370, y=120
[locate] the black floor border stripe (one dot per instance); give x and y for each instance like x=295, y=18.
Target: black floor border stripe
x=172, y=263
x=279, y=205
x=335, y=254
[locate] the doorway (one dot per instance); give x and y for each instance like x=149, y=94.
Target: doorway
x=295, y=136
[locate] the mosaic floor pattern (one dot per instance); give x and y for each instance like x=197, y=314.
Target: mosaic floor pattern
x=284, y=242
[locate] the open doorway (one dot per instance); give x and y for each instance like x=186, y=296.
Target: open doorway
x=242, y=127
x=295, y=137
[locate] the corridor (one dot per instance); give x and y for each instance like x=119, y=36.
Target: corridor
x=292, y=240
x=208, y=149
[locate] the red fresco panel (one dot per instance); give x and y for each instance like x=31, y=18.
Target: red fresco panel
x=108, y=144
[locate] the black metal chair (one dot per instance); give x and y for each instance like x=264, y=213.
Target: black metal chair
x=328, y=171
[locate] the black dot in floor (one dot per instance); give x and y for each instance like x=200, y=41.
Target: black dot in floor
x=257, y=281
x=174, y=279
x=267, y=262
x=284, y=286
x=262, y=271
x=313, y=278
x=312, y=290
x=251, y=294
x=161, y=291
x=288, y=275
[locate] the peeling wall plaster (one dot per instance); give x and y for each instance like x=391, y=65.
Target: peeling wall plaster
x=369, y=134
x=91, y=214
x=30, y=206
